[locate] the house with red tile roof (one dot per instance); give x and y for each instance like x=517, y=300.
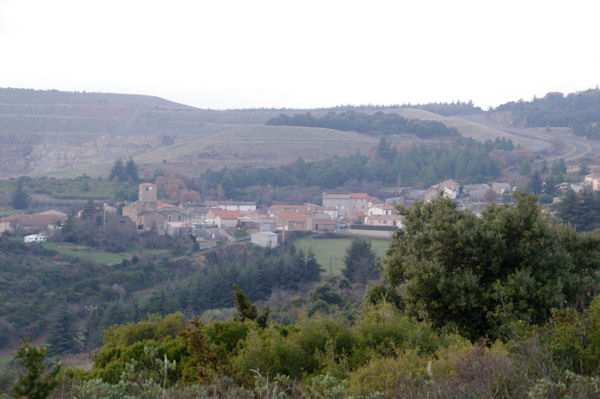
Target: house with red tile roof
x=381, y=209
x=346, y=203
x=291, y=221
x=224, y=219
x=34, y=223
x=384, y=220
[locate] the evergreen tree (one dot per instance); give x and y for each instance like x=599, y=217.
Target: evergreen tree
x=583, y=168
x=63, y=337
x=308, y=268
x=246, y=309
x=559, y=168
x=20, y=198
x=118, y=171
x=89, y=210
x=131, y=171
x=361, y=262
x=535, y=183
x=550, y=184
x=525, y=168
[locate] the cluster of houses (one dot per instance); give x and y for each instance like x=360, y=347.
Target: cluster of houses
x=213, y=220
x=196, y=219
x=472, y=196
x=35, y=227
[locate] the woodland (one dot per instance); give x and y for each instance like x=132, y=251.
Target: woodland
x=503, y=305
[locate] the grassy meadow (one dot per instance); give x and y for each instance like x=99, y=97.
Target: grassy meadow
x=102, y=257
x=334, y=249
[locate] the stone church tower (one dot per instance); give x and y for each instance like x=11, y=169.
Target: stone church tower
x=148, y=197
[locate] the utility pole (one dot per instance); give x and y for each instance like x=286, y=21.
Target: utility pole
x=90, y=309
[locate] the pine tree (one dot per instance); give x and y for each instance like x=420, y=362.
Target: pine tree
x=525, y=168
x=131, y=171
x=559, y=168
x=535, y=183
x=361, y=262
x=20, y=198
x=118, y=171
x=89, y=210
x=246, y=309
x=63, y=337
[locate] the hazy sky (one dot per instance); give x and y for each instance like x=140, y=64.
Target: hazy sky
x=224, y=54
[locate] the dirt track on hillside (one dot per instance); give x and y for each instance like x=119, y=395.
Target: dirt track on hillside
x=558, y=142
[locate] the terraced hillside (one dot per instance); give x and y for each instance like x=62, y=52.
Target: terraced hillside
x=67, y=134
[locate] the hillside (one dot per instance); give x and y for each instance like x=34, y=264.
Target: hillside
x=66, y=134
x=578, y=111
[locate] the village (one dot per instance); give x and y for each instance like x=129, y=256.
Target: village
x=211, y=223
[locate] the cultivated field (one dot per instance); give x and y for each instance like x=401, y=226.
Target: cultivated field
x=257, y=146
x=465, y=127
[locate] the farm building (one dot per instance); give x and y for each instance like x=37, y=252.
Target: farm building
x=346, y=203
x=265, y=239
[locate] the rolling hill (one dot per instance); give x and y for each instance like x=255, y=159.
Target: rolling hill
x=67, y=134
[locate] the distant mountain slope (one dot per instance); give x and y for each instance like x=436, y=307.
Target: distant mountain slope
x=56, y=97
x=47, y=131
x=578, y=111
x=243, y=146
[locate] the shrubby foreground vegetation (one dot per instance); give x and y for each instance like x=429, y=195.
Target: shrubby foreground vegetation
x=503, y=305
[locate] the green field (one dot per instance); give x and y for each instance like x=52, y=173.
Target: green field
x=73, y=188
x=81, y=251
x=103, y=257
x=334, y=249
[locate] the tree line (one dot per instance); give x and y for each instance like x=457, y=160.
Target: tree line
x=465, y=160
x=373, y=124
x=579, y=111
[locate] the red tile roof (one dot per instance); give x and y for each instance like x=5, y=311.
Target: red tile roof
x=287, y=208
x=164, y=205
x=34, y=220
x=226, y=214
x=292, y=216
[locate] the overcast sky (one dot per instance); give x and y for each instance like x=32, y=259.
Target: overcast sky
x=251, y=53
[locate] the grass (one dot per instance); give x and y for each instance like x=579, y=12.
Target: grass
x=103, y=257
x=465, y=127
x=335, y=249
x=76, y=188
x=100, y=169
x=81, y=251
